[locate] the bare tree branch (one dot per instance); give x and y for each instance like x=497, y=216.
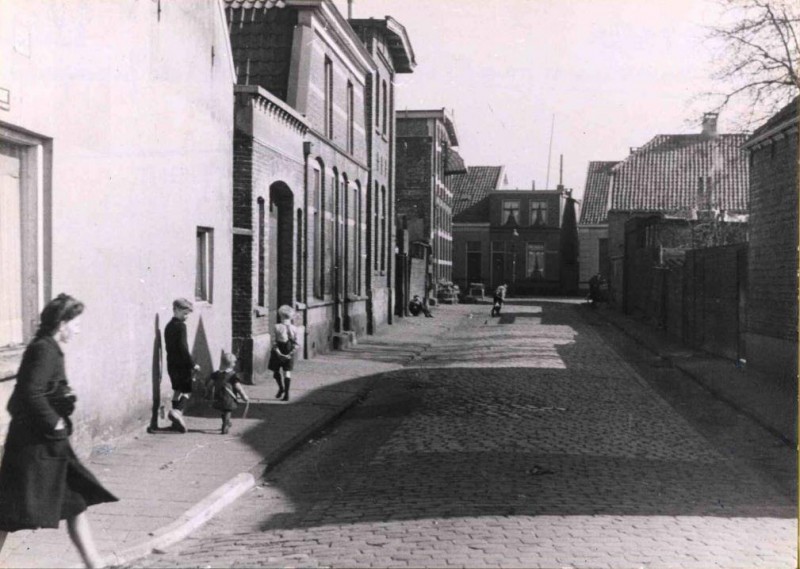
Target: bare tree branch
x=759, y=55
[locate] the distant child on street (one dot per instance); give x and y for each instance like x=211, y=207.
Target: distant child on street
x=283, y=352
x=499, y=299
x=228, y=389
x=180, y=364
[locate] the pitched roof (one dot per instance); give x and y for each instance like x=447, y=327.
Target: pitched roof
x=453, y=163
x=470, y=190
x=672, y=172
x=781, y=120
x=594, y=209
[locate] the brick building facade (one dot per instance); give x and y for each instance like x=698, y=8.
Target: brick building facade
x=391, y=50
x=426, y=159
x=508, y=236
x=303, y=165
x=116, y=158
x=771, y=337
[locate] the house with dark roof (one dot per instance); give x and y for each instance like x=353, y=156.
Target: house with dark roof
x=593, y=223
x=471, y=222
x=771, y=327
x=507, y=236
x=692, y=177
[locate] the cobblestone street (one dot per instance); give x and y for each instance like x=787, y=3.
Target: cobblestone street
x=543, y=438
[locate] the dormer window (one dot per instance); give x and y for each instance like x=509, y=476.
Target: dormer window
x=538, y=213
x=510, y=212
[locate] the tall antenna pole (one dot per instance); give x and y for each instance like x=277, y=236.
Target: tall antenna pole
x=561, y=171
x=550, y=152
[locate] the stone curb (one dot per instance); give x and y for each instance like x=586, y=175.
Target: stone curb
x=225, y=494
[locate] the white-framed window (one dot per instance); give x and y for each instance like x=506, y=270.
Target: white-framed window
x=538, y=212
x=534, y=261
x=510, y=211
x=25, y=166
x=204, y=279
x=328, y=98
x=350, y=118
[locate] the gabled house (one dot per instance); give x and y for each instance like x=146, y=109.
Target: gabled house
x=509, y=236
x=593, y=223
x=470, y=222
x=771, y=331
x=699, y=178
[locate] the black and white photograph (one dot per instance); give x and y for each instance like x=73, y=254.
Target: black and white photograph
x=399, y=284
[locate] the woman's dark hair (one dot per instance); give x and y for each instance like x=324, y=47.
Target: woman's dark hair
x=62, y=308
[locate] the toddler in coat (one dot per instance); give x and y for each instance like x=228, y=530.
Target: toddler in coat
x=228, y=390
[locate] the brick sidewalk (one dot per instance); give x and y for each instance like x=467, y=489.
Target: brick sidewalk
x=750, y=391
x=158, y=477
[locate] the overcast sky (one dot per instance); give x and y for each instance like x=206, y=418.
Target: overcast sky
x=613, y=72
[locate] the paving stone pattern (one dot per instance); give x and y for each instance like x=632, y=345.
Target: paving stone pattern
x=524, y=441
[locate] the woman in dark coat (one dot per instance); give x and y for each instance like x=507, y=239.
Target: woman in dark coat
x=41, y=479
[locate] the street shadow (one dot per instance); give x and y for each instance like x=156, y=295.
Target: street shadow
x=575, y=432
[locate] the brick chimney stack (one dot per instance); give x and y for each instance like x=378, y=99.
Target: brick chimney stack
x=710, y=124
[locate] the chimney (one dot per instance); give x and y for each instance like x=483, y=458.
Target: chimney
x=710, y=124
x=349, y=9
x=533, y=184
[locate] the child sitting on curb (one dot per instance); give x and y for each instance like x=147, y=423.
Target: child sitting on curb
x=228, y=389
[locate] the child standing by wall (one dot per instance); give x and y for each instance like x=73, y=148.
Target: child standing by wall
x=227, y=389
x=283, y=352
x=180, y=364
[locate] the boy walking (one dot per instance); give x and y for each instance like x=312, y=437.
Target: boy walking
x=180, y=364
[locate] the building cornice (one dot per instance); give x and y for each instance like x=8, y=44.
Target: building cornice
x=786, y=128
x=268, y=104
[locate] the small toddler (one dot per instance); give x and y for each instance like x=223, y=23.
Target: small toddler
x=228, y=389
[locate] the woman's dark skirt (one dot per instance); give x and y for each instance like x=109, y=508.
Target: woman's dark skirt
x=43, y=483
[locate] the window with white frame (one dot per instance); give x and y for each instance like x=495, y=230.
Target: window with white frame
x=534, y=265
x=538, y=212
x=24, y=270
x=204, y=279
x=510, y=211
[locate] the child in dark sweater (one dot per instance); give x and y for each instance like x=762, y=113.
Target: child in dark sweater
x=228, y=390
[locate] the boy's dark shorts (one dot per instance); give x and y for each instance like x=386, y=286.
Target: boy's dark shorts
x=181, y=380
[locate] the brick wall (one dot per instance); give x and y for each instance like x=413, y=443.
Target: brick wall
x=414, y=185
x=772, y=294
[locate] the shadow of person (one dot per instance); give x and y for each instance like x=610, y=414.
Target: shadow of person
x=156, y=375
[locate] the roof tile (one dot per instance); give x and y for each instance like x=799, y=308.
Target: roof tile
x=665, y=174
x=594, y=209
x=471, y=189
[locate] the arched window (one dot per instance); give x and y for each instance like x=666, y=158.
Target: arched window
x=316, y=227
x=385, y=107
x=384, y=235
x=261, y=287
x=300, y=240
